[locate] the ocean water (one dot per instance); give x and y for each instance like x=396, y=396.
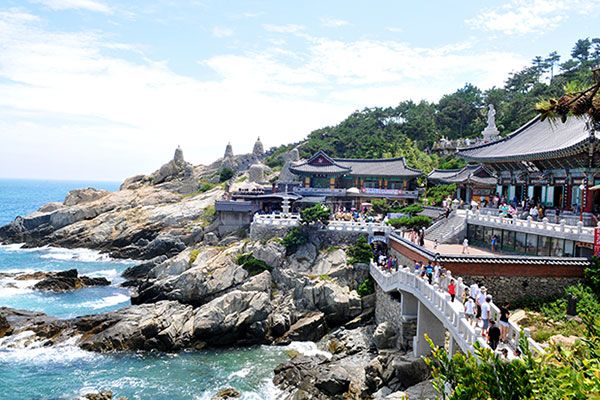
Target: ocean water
x=32, y=371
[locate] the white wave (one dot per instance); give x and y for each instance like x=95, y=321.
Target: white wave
x=84, y=255
x=10, y=287
x=105, y=302
x=19, y=247
x=26, y=348
x=308, y=349
x=242, y=373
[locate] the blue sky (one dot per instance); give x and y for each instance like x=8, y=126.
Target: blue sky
x=100, y=89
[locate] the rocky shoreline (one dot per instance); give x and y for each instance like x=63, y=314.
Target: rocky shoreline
x=194, y=290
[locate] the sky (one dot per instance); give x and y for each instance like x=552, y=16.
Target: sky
x=103, y=89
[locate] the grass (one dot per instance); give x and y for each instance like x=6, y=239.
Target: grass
x=207, y=216
x=193, y=255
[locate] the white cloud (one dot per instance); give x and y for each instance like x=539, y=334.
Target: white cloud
x=333, y=23
x=289, y=28
x=70, y=107
x=395, y=29
x=521, y=17
x=221, y=32
x=89, y=5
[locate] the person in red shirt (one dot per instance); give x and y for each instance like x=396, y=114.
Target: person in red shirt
x=452, y=289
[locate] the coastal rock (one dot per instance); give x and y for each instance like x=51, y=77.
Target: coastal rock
x=208, y=277
x=311, y=327
x=227, y=393
x=79, y=196
x=68, y=280
x=142, y=270
x=166, y=325
x=47, y=208
x=5, y=328
x=236, y=317
x=396, y=371
x=384, y=336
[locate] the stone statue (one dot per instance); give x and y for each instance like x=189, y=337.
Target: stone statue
x=491, y=117
x=490, y=133
x=178, y=157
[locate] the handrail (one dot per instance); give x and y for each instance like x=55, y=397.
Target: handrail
x=437, y=300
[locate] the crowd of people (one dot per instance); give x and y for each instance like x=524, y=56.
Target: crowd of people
x=474, y=300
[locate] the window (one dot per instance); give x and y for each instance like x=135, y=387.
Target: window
x=532, y=244
x=569, y=248
x=557, y=248
x=545, y=244
x=508, y=241
x=521, y=242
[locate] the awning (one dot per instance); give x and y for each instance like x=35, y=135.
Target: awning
x=597, y=187
x=311, y=200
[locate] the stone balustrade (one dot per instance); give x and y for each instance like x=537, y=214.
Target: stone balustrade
x=436, y=298
x=343, y=226
x=545, y=228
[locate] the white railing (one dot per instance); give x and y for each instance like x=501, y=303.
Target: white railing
x=437, y=300
x=544, y=228
x=277, y=219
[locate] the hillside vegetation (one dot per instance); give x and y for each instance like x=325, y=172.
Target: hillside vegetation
x=410, y=128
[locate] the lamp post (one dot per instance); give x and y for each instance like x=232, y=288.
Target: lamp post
x=582, y=187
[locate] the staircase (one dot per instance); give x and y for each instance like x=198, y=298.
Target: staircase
x=451, y=230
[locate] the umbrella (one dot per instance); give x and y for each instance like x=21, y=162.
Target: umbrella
x=366, y=204
x=353, y=190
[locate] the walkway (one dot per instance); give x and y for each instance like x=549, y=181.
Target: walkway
x=455, y=249
x=450, y=314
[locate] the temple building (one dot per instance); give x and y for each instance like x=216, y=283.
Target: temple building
x=550, y=162
x=350, y=182
x=472, y=182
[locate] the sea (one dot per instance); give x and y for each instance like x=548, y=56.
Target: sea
x=32, y=371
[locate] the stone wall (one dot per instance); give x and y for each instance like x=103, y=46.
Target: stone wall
x=324, y=237
x=517, y=287
x=389, y=309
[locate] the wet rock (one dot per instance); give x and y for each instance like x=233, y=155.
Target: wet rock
x=227, y=393
x=68, y=280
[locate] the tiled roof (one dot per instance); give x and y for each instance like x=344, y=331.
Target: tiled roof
x=535, y=140
x=465, y=174
x=358, y=167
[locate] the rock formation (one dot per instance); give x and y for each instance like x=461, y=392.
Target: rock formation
x=68, y=280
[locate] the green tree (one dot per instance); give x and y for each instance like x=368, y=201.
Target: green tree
x=317, y=213
x=581, y=50
x=360, y=252
x=225, y=174
x=295, y=238
x=459, y=113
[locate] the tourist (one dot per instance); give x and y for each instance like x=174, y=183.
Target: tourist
x=494, y=240
x=395, y=263
x=533, y=213
x=480, y=299
x=504, y=324
x=504, y=354
x=389, y=264
x=470, y=310
x=447, y=212
x=429, y=272
x=417, y=266
x=465, y=249
x=493, y=335
x=465, y=295
x=517, y=353
x=435, y=244
x=486, y=312
x=452, y=290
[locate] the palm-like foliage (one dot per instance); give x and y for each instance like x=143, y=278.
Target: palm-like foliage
x=577, y=101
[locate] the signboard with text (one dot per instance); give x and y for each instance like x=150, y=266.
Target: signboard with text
x=597, y=241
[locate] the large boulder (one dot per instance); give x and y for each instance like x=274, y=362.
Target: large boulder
x=384, y=336
x=166, y=325
x=311, y=327
x=236, y=317
x=79, y=196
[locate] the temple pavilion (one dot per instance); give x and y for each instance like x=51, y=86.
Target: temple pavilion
x=351, y=182
x=550, y=162
x=472, y=182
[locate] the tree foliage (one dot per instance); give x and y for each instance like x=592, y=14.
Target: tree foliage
x=416, y=222
x=253, y=265
x=592, y=274
x=436, y=194
x=366, y=287
x=295, y=238
x=225, y=174
x=313, y=214
x=360, y=252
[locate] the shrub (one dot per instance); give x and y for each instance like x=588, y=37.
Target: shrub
x=225, y=174
x=253, y=265
x=193, y=255
x=412, y=209
x=592, y=274
x=436, y=194
x=205, y=187
x=295, y=238
x=316, y=213
x=366, y=287
x=416, y=222
x=360, y=252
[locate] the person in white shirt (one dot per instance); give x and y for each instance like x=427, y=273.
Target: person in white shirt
x=470, y=310
x=480, y=299
x=486, y=312
x=465, y=249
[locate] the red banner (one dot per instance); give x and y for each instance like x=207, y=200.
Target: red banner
x=597, y=241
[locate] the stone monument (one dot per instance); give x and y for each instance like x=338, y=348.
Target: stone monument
x=258, y=150
x=490, y=133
